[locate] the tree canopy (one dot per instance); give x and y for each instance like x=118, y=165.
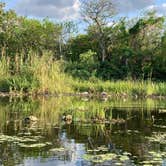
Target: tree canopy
x=124, y=49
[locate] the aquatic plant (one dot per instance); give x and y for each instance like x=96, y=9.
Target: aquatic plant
x=38, y=74
x=108, y=157
x=158, y=137
x=122, y=88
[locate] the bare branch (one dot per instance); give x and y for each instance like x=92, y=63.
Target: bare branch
x=98, y=13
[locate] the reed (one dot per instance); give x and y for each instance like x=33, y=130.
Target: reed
x=43, y=75
x=37, y=74
x=129, y=88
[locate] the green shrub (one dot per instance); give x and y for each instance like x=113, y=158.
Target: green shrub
x=4, y=85
x=85, y=68
x=24, y=81
x=41, y=74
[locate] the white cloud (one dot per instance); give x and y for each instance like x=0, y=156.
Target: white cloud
x=151, y=7
x=161, y=9
x=69, y=9
x=164, y=5
x=126, y=6
x=57, y=9
x=110, y=23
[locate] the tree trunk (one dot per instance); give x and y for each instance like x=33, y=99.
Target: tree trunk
x=103, y=49
x=101, y=40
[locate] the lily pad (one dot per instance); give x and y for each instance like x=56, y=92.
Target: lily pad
x=57, y=150
x=37, y=145
x=100, y=158
x=124, y=158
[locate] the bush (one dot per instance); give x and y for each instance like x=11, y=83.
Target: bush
x=4, y=85
x=35, y=74
x=24, y=81
x=85, y=68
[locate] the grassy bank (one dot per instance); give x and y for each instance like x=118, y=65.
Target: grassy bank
x=43, y=75
x=122, y=88
x=35, y=75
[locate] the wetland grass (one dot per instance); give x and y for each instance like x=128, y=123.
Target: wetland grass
x=130, y=88
x=44, y=75
x=36, y=75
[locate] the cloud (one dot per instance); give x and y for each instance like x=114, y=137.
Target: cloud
x=69, y=9
x=161, y=9
x=59, y=3
x=126, y=6
x=57, y=9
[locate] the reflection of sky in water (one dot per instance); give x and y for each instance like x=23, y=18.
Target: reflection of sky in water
x=164, y=162
x=76, y=137
x=75, y=156
x=75, y=150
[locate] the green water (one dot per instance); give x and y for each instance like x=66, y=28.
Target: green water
x=114, y=132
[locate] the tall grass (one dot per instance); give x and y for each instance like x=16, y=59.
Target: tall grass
x=4, y=73
x=36, y=74
x=43, y=75
x=129, y=87
x=50, y=74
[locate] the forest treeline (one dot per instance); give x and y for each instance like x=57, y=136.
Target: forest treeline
x=134, y=48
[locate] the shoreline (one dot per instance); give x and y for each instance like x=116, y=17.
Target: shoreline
x=107, y=95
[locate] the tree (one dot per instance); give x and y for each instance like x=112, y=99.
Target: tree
x=145, y=40
x=98, y=13
x=68, y=30
x=78, y=45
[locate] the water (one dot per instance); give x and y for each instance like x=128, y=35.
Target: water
x=115, y=132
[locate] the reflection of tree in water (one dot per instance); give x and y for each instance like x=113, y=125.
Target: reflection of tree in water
x=81, y=133
x=10, y=154
x=76, y=137
x=69, y=146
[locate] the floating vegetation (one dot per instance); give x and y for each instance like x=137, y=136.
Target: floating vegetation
x=128, y=132
x=158, y=137
x=112, y=157
x=154, y=158
x=57, y=150
x=124, y=158
x=159, y=126
x=24, y=134
x=103, y=148
x=24, y=142
x=6, y=138
x=100, y=158
x=162, y=110
x=24, y=139
x=127, y=154
x=99, y=149
x=29, y=140
x=133, y=131
x=101, y=133
x=37, y=145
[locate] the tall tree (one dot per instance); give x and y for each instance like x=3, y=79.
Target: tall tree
x=98, y=13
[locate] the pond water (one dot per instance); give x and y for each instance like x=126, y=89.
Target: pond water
x=73, y=131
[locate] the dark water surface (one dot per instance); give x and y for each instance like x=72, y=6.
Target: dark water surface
x=115, y=132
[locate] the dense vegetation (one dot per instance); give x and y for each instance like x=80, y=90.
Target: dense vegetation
x=135, y=49
x=35, y=55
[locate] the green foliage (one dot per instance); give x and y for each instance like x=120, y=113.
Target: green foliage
x=78, y=45
x=24, y=81
x=88, y=58
x=35, y=75
x=85, y=67
x=19, y=35
x=4, y=85
x=129, y=88
x=131, y=49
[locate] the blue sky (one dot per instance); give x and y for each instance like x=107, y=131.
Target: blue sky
x=69, y=9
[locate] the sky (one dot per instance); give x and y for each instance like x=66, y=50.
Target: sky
x=69, y=9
